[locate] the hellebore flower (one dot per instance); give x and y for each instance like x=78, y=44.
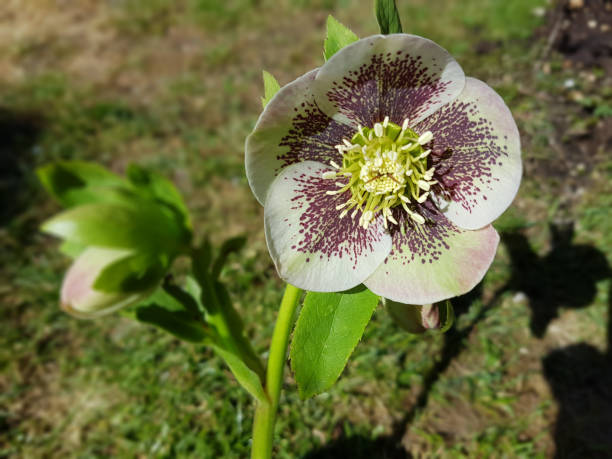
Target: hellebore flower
x=385, y=167
x=123, y=234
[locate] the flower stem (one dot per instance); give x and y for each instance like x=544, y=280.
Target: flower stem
x=265, y=413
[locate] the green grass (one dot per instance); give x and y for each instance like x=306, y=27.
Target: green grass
x=181, y=97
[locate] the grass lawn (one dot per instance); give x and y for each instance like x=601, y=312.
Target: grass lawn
x=175, y=85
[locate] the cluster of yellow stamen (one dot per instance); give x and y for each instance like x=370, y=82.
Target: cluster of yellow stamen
x=386, y=167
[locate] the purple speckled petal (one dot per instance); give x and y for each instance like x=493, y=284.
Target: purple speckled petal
x=290, y=129
x=434, y=261
x=482, y=170
x=400, y=76
x=311, y=246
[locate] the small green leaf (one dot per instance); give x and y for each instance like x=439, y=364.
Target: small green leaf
x=447, y=316
x=234, y=244
x=246, y=377
x=271, y=87
x=167, y=311
x=201, y=259
x=388, y=17
x=184, y=297
x=328, y=329
x=174, y=322
x=75, y=182
x=338, y=36
x=133, y=273
x=228, y=340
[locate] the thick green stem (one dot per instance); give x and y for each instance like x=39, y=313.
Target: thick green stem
x=265, y=413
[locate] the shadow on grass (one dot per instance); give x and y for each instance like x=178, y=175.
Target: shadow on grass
x=18, y=135
x=565, y=277
x=579, y=375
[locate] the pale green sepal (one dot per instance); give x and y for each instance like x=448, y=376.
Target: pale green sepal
x=133, y=273
x=447, y=316
x=387, y=17
x=136, y=226
x=271, y=87
x=73, y=183
x=329, y=327
x=338, y=36
x=71, y=249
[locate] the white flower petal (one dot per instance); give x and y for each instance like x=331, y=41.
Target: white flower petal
x=401, y=76
x=291, y=129
x=483, y=168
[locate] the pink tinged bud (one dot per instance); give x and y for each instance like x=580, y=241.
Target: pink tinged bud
x=430, y=316
x=418, y=319
x=78, y=296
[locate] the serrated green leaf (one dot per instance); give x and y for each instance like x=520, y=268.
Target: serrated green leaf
x=133, y=273
x=139, y=226
x=231, y=245
x=387, y=17
x=75, y=182
x=338, y=36
x=271, y=87
x=329, y=327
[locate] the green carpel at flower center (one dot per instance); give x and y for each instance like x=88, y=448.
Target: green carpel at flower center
x=386, y=167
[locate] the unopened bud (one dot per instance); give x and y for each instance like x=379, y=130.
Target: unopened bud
x=80, y=299
x=418, y=319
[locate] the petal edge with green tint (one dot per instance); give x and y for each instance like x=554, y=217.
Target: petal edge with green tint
x=290, y=129
x=483, y=167
x=401, y=76
x=312, y=247
x=433, y=261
